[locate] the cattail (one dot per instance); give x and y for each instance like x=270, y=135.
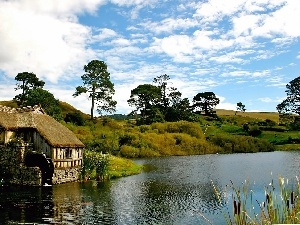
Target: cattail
x=292, y=198
x=239, y=208
x=267, y=198
x=287, y=203
x=234, y=207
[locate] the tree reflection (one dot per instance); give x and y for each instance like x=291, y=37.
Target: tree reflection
x=25, y=204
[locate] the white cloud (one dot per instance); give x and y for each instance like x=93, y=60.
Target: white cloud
x=215, y=9
x=169, y=25
x=105, y=33
x=36, y=39
x=268, y=100
x=225, y=105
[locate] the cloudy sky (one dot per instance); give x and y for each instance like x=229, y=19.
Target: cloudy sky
x=245, y=50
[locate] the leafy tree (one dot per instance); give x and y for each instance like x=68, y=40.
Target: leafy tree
x=292, y=102
x=205, y=101
x=240, y=107
x=96, y=82
x=39, y=96
x=27, y=82
x=145, y=98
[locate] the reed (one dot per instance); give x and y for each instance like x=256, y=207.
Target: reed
x=280, y=205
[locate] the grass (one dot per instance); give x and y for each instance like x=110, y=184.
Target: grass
x=254, y=115
x=288, y=147
x=120, y=167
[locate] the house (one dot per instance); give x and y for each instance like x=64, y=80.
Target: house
x=49, y=139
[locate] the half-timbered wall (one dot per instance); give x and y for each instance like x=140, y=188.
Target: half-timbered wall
x=67, y=157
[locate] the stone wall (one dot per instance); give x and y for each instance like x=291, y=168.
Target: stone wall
x=66, y=175
x=13, y=170
x=31, y=176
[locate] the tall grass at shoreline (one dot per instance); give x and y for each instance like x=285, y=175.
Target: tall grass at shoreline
x=279, y=205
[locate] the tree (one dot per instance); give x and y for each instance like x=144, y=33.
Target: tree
x=145, y=98
x=96, y=82
x=240, y=107
x=28, y=81
x=205, y=101
x=161, y=82
x=46, y=100
x=171, y=105
x=292, y=102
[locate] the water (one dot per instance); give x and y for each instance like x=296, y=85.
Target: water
x=174, y=190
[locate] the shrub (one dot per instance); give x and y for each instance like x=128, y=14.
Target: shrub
x=95, y=165
x=238, y=143
x=254, y=130
x=129, y=151
x=74, y=118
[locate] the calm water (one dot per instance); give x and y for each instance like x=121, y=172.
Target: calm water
x=176, y=190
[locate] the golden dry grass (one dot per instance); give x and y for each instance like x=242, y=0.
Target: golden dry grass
x=256, y=115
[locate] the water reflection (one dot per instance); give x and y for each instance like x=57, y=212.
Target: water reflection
x=25, y=204
x=178, y=191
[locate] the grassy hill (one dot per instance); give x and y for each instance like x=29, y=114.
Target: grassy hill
x=254, y=115
x=65, y=107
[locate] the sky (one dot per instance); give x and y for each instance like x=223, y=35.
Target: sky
x=242, y=50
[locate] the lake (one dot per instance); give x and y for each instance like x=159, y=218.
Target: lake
x=173, y=190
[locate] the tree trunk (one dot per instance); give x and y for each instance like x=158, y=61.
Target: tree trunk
x=93, y=103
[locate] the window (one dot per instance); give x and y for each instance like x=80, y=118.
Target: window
x=68, y=153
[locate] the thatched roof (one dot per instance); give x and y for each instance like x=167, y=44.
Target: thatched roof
x=52, y=131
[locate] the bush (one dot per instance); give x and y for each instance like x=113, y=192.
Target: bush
x=190, y=128
x=74, y=118
x=95, y=165
x=129, y=151
x=254, y=130
x=240, y=144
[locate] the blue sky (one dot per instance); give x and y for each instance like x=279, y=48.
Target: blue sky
x=245, y=50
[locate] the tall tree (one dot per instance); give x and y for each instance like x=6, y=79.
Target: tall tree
x=205, y=101
x=161, y=82
x=96, y=82
x=292, y=102
x=27, y=82
x=145, y=98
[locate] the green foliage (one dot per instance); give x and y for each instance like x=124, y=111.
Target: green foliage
x=95, y=165
x=281, y=138
x=254, y=130
x=190, y=128
x=27, y=81
x=75, y=118
x=238, y=143
x=120, y=167
x=291, y=103
x=232, y=129
x=205, y=102
x=240, y=107
x=49, y=103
